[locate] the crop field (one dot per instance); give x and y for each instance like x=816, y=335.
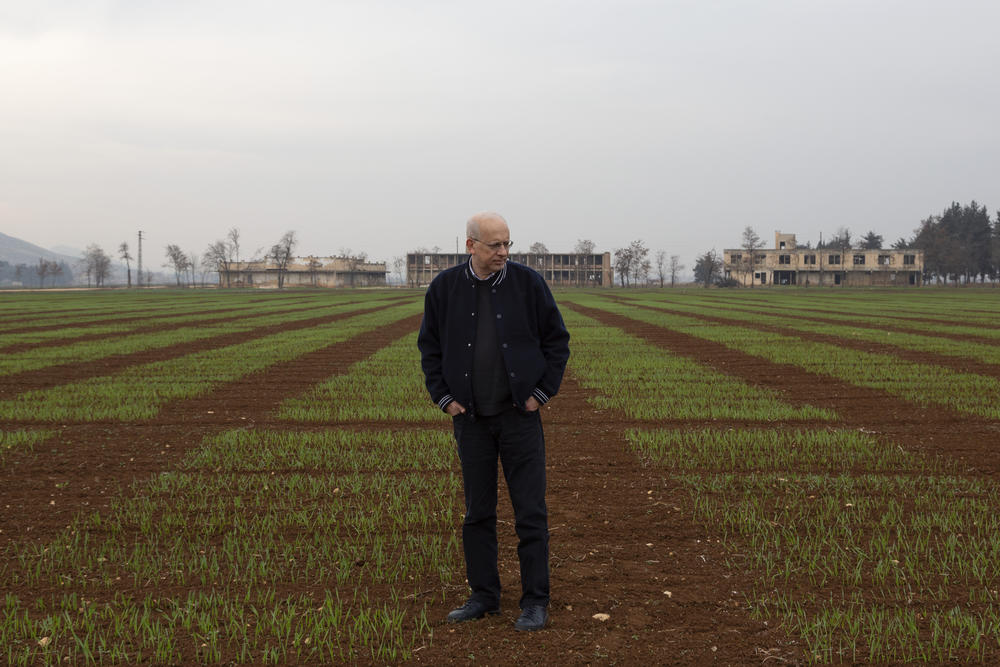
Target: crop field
x=247, y=477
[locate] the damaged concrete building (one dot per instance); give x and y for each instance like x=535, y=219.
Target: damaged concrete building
x=305, y=272
x=558, y=269
x=787, y=264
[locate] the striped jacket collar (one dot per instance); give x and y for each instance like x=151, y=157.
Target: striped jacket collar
x=497, y=276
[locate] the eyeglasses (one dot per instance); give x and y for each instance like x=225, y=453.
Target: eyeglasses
x=495, y=247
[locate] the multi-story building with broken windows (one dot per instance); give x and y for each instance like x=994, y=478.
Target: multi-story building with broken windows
x=566, y=269
x=787, y=264
x=305, y=272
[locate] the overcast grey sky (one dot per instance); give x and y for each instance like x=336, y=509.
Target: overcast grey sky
x=382, y=126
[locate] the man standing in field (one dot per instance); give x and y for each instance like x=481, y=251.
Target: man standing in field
x=493, y=349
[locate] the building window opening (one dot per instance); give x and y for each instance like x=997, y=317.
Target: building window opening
x=784, y=259
x=833, y=259
x=859, y=260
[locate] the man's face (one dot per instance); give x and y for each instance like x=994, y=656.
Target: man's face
x=486, y=259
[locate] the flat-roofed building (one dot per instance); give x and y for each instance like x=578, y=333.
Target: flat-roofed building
x=787, y=264
x=306, y=272
x=562, y=270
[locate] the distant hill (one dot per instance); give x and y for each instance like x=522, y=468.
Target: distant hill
x=15, y=251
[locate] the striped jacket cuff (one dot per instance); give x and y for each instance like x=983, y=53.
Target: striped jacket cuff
x=540, y=396
x=445, y=400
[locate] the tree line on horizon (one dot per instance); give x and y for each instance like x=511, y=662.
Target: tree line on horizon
x=961, y=246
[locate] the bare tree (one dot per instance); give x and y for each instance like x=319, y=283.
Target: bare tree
x=675, y=268
x=233, y=246
x=399, y=268
x=538, y=248
x=623, y=258
x=707, y=268
x=585, y=247
x=97, y=264
x=218, y=255
x=44, y=269
x=313, y=266
x=126, y=257
x=640, y=263
x=102, y=268
x=281, y=254
x=751, y=243
x=178, y=261
x=193, y=266
x=661, y=266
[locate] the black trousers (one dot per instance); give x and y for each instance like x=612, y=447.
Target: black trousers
x=515, y=438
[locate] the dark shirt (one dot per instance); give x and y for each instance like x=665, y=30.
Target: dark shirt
x=490, y=388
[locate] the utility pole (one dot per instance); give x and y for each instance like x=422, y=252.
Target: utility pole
x=139, y=281
x=819, y=251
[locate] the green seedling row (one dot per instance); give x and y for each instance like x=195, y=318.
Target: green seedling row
x=762, y=450
x=858, y=315
x=47, y=309
x=90, y=350
x=389, y=385
x=70, y=331
x=969, y=307
x=139, y=392
x=646, y=382
x=337, y=514
x=923, y=384
x=210, y=628
x=272, y=530
x=22, y=439
x=986, y=353
x=839, y=512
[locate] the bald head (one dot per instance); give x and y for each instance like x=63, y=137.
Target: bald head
x=483, y=223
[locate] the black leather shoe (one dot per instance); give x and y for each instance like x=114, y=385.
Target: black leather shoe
x=533, y=617
x=470, y=611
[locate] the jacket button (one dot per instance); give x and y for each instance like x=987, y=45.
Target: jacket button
x=512, y=375
x=470, y=345
x=503, y=345
x=499, y=316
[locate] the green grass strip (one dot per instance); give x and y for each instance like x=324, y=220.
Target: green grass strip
x=923, y=384
x=248, y=515
x=139, y=391
x=647, y=382
x=389, y=385
x=764, y=450
x=899, y=558
x=91, y=350
x=22, y=439
x=984, y=352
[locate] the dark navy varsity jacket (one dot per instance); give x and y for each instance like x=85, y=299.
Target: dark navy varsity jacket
x=530, y=332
